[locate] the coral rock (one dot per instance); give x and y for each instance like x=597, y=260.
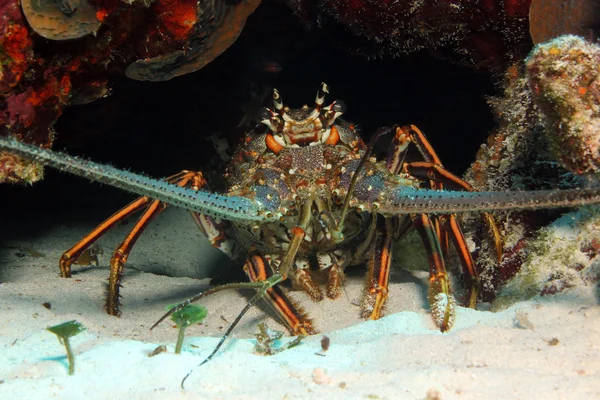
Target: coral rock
x=549, y=19
x=61, y=20
x=483, y=33
x=564, y=76
x=152, y=40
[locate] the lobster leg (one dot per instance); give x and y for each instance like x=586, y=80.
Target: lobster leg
x=436, y=230
x=437, y=173
x=432, y=168
x=470, y=275
x=445, y=225
x=257, y=268
x=450, y=224
x=439, y=295
x=379, y=269
x=189, y=179
x=395, y=163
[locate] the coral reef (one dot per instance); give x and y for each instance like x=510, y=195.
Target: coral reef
x=564, y=74
x=563, y=255
x=549, y=19
x=54, y=54
x=484, y=33
x=521, y=154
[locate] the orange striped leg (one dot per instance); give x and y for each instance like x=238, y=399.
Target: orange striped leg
x=433, y=169
x=379, y=270
x=257, y=269
x=470, y=275
x=303, y=278
x=437, y=173
x=440, y=297
x=71, y=255
x=119, y=257
x=193, y=180
x=403, y=137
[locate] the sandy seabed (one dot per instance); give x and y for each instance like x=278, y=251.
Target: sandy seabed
x=552, y=353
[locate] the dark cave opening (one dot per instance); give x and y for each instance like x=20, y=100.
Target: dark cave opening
x=162, y=128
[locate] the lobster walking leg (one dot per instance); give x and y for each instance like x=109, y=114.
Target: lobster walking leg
x=433, y=169
x=446, y=225
x=435, y=231
x=257, y=269
x=379, y=269
x=439, y=295
x=424, y=169
x=193, y=180
x=470, y=275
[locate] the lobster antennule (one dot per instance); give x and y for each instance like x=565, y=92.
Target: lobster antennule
x=320, y=99
x=402, y=200
x=228, y=207
x=277, y=102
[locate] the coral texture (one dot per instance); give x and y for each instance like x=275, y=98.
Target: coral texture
x=540, y=256
x=484, y=33
x=563, y=255
x=564, y=74
x=41, y=74
x=549, y=19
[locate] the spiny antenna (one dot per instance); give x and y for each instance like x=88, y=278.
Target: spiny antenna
x=380, y=132
x=261, y=287
x=396, y=200
x=227, y=207
x=407, y=200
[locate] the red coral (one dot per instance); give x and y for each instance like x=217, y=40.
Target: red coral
x=15, y=46
x=36, y=85
x=177, y=17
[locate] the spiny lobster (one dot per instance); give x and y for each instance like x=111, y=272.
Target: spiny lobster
x=305, y=196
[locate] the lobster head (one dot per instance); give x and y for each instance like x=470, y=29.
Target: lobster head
x=303, y=126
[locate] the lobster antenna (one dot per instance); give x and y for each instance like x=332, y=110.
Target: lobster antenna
x=261, y=286
x=406, y=200
x=223, y=339
x=399, y=200
x=220, y=206
x=380, y=132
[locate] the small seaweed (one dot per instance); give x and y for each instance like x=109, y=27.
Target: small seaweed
x=268, y=341
x=64, y=332
x=185, y=317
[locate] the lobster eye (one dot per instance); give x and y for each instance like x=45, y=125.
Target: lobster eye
x=333, y=111
x=338, y=106
x=264, y=114
x=270, y=119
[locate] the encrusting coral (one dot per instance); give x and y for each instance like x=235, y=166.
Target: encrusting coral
x=548, y=113
x=563, y=255
x=56, y=54
x=563, y=75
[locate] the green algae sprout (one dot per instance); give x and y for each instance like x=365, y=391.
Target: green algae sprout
x=64, y=332
x=185, y=317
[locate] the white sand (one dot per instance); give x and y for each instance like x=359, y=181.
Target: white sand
x=402, y=356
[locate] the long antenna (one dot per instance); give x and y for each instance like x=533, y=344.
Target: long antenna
x=227, y=207
x=380, y=132
x=261, y=286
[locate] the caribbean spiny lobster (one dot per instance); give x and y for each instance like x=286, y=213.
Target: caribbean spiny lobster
x=304, y=196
